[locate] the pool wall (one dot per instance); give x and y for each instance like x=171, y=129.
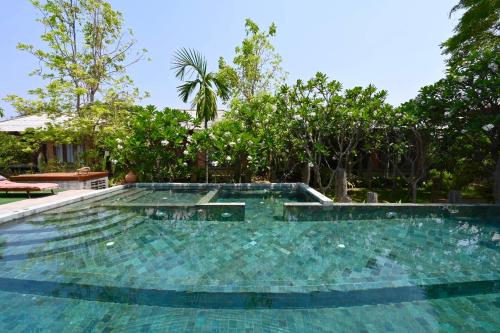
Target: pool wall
x=363, y=211
x=320, y=207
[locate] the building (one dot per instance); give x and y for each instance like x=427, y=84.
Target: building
x=63, y=153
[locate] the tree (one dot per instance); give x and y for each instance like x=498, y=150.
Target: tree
x=257, y=65
x=324, y=125
x=412, y=131
x=188, y=63
x=86, y=55
x=478, y=26
x=84, y=62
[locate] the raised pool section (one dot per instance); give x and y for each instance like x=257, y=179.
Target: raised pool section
x=249, y=258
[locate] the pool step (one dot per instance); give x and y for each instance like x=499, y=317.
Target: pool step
x=137, y=194
x=81, y=207
x=64, y=233
x=41, y=226
x=68, y=244
x=128, y=195
x=86, y=211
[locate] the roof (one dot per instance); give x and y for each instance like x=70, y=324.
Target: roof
x=21, y=124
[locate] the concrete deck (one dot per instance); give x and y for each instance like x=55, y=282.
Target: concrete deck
x=23, y=205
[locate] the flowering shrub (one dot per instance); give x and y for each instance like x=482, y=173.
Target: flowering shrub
x=154, y=144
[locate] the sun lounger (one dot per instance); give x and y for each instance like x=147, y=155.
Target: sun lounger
x=8, y=186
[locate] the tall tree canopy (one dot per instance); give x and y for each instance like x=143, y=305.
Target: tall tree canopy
x=478, y=27
x=256, y=63
x=86, y=55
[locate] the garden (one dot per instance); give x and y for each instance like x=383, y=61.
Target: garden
x=249, y=124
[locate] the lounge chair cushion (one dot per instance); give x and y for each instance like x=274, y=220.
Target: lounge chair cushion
x=7, y=185
x=2, y=178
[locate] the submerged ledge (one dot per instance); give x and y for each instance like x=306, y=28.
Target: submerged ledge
x=249, y=300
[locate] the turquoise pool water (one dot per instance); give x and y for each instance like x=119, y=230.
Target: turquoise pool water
x=99, y=267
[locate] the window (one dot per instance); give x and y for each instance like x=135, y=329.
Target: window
x=59, y=153
x=70, y=158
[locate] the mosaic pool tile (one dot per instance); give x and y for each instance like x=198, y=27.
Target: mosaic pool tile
x=95, y=268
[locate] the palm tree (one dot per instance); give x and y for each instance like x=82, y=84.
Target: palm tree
x=192, y=64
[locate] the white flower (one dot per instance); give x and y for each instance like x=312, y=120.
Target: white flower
x=119, y=140
x=232, y=143
x=189, y=139
x=227, y=133
x=249, y=158
x=488, y=127
x=447, y=114
x=114, y=161
x=185, y=152
x=310, y=164
x=297, y=117
x=164, y=142
x=185, y=164
x=228, y=158
x=239, y=140
x=211, y=136
x=119, y=147
x=313, y=114
x=215, y=163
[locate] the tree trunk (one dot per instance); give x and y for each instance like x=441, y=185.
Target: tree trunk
x=341, y=186
x=206, y=157
x=413, y=189
x=369, y=168
x=454, y=196
x=372, y=197
x=306, y=174
x=394, y=175
x=496, y=186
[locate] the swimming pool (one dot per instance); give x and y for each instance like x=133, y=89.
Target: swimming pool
x=169, y=258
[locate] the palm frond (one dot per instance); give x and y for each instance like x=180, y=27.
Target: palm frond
x=223, y=90
x=205, y=103
x=186, y=89
x=188, y=61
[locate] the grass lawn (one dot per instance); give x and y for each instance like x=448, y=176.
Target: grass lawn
x=17, y=196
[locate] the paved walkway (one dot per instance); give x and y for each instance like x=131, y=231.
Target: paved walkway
x=23, y=205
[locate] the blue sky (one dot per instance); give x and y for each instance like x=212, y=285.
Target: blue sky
x=393, y=44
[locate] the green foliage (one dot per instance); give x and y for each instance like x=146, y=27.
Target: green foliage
x=322, y=124
x=154, y=143
x=257, y=65
x=85, y=56
x=189, y=62
x=16, y=149
x=478, y=26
